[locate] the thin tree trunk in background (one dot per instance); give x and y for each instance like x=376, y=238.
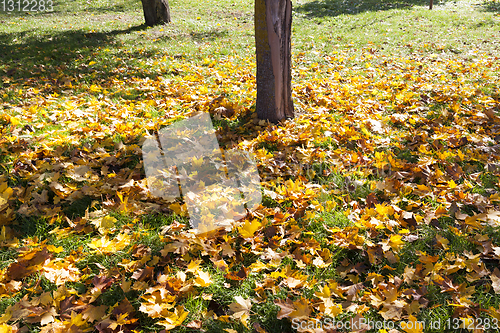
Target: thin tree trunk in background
x=273, y=29
x=156, y=12
x=430, y=4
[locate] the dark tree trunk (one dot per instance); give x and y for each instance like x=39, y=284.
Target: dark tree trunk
x=430, y=4
x=273, y=29
x=156, y=12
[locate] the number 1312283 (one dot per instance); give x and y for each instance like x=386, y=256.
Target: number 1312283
x=26, y=5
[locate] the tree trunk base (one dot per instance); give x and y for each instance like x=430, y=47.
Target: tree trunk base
x=273, y=29
x=156, y=12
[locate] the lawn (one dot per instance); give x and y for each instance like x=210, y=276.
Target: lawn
x=381, y=198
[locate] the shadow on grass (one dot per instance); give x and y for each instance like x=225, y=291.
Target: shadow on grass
x=208, y=35
x=51, y=7
x=26, y=56
x=491, y=6
x=323, y=8
x=48, y=60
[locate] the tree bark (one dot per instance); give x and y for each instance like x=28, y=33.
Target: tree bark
x=156, y=12
x=273, y=29
x=430, y=4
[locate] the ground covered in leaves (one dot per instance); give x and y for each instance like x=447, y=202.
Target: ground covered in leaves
x=381, y=198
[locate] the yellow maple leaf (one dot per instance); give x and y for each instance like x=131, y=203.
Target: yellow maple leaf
x=203, y=279
x=76, y=320
x=302, y=309
x=384, y=210
x=174, y=319
x=330, y=308
x=59, y=272
x=93, y=313
x=241, y=309
x=4, y=328
x=323, y=292
x=125, y=285
x=193, y=266
x=107, y=246
x=5, y=191
x=494, y=313
x=442, y=241
x=395, y=242
x=178, y=209
x=120, y=321
x=257, y=266
x=249, y=228
x=14, y=121
x=55, y=249
x=104, y=224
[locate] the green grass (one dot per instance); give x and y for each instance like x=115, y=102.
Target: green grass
x=88, y=44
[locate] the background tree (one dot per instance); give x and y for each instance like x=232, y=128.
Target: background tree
x=273, y=29
x=156, y=11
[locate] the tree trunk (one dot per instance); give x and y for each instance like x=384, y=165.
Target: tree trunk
x=156, y=12
x=273, y=29
x=430, y=4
